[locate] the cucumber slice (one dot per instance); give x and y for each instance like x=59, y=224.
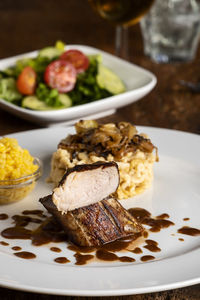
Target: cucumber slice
x=32, y=102
x=109, y=81
x=50, y=52
x=65, y=100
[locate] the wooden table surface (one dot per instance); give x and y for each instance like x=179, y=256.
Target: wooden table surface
x=29, y=25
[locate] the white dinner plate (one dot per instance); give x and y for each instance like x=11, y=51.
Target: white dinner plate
x=138, y=82
x=176, y=191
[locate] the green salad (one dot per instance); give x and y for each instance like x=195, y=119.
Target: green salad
x=57, y=78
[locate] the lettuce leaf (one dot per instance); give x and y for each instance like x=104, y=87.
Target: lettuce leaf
x=8, y=90
x=86, y=88
x=49, y=96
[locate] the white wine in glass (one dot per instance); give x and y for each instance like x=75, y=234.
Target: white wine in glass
x=122, y=13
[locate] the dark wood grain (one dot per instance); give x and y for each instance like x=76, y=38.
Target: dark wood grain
x=29, y=25
x=189, y=293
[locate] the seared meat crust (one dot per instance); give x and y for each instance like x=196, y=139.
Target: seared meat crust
x=95, y=224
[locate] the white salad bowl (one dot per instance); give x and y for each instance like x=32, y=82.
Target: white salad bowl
x=138, y=81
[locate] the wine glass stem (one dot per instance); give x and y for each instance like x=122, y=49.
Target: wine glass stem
x=121, y=42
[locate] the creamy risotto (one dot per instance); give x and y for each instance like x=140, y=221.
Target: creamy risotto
x=119, y=142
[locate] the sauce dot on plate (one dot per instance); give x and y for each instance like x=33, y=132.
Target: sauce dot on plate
x=4, y=243
x=61, y=260
x=147, y=258
x=25, y=255
x=16, y=248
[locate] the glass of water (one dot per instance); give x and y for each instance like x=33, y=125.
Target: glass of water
x=171, y=30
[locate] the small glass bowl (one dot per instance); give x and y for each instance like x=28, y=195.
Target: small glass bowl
x=16, y=189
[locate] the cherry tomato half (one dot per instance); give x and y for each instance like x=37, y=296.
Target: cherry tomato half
x=79, y=60
x=60, y=75
x=26, y=81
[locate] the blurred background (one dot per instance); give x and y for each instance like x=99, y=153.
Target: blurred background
x=30, y=25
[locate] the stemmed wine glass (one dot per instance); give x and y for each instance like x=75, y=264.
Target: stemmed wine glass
x=122, y=13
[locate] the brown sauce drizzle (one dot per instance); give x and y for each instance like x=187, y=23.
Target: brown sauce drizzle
x=126, y=259
x=147, y=258
x=16, y=248
x=163, y=216
x=152, y=246
x=25, y=255
x=4, y=243
x=137, y=250
x=3, y=216
x=106, y=255
x=145, y=234
x=119, y=245
x=105, y=252
x=144, y=217
x=55, y=249
x=36, y=212
x=186, y=219
x=61, y=260
x=48, y=230
x=82, y=259
x=181, y=240
x=189, y=231
x=139, y=213
x=16, y=233
x=80, y=249
x=157, y=225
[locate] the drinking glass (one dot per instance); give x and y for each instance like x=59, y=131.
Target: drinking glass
x=171, y=30
x=122, y=13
